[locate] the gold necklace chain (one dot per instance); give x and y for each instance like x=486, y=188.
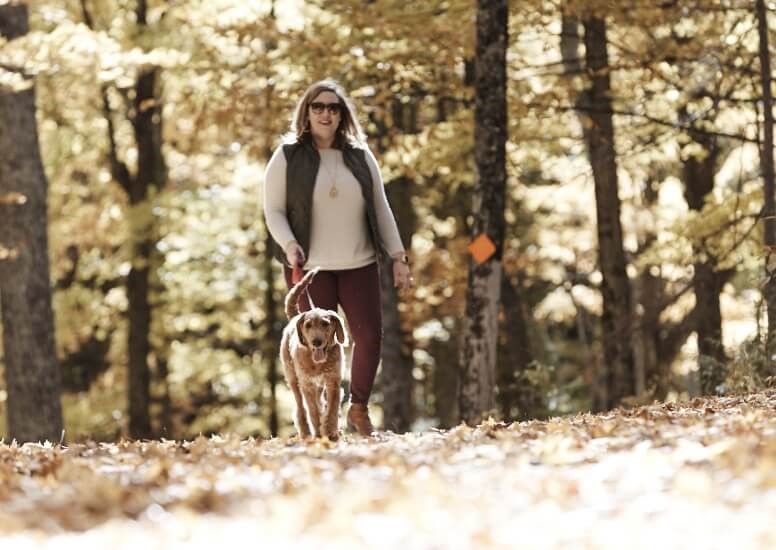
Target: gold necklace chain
x=333, y=192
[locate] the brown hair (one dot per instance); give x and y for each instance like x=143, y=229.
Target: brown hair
x=349, y=131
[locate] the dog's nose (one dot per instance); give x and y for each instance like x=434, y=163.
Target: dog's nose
x=317, y=342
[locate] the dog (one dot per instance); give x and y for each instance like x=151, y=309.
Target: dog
x=313, y=358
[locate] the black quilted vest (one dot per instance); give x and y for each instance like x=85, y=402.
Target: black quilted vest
x=303, y=162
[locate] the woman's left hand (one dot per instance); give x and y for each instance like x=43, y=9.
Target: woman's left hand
x=402, y=279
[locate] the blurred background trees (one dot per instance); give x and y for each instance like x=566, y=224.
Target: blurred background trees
x=633, y=264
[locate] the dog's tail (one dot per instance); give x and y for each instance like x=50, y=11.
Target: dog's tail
x=292, y=298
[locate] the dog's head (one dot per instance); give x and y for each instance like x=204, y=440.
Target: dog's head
x=320, y=330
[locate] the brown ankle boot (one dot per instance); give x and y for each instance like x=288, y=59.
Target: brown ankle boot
x=358, y=420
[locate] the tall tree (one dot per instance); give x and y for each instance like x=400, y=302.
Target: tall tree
x=150, y=175
x=145, y=114
x=766, y=163
x=698, y=177
x=270, y=332
x=518, y=398
x=615, y=288
x=33, y=377
x=272, y=326
x=396, y=382
x=396, y=373
x=480, y=330
x=570, y=43
x=647, y=292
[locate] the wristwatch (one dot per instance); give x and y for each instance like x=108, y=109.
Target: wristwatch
x=403, y=259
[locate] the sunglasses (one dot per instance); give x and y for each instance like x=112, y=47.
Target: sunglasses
x=319, y=106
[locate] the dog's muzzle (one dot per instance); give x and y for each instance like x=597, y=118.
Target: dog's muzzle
x=319, y=352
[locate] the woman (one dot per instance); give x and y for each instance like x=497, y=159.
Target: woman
x=325, y=205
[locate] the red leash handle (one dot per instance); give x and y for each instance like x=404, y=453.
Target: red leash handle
x=296, y=273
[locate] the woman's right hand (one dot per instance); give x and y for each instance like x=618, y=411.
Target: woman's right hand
x=294, y=254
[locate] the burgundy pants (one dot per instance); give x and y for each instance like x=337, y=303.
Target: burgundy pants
x=358, y=292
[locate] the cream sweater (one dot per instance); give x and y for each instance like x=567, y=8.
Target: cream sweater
x=339, y=231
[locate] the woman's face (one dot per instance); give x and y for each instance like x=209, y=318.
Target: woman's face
x=325, y=113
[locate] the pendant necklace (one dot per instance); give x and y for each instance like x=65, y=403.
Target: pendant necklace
x=333, y=191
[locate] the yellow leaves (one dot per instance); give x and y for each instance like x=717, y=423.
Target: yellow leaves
x=13, y=81
x=603, y=429
x=166, y=58
x=72, y=49
x=693, y=150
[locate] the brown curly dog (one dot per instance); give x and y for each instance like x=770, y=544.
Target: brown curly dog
x=312, y=356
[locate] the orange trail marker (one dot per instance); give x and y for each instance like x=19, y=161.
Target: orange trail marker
x=482, y=248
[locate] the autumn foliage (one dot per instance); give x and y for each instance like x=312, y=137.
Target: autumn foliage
x=657, y=474
x=207, y=87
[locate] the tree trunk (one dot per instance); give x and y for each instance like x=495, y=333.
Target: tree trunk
x=518, y=399
x=766, y=162
x=648, y=290
x=396, y=373
x=445, y=380
x=274, y=320
x=569, y=45
x=480, y=330
x=594, y=372
x=271, y=334
x=648, y=293
x=599, y=135
x=698, y=175
x=138, y=345
x=146, y=122
x=396, y=379
x=711, y=354
x=165, y=427
x=33, y=378
x=572, y=65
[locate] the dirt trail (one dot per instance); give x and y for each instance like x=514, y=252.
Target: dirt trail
x=700, y=474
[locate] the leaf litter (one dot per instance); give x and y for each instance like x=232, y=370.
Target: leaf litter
x=701, y=473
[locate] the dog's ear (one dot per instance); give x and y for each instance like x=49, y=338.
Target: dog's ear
x=339, y=329
x=299, y=331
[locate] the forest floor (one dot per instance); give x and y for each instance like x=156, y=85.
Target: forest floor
x=700, y=474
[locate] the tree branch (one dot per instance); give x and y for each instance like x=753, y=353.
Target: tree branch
x=670, y=124
x=118, y=168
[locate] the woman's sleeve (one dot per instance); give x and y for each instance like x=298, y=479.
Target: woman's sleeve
x=386, y=222
x=275, y=199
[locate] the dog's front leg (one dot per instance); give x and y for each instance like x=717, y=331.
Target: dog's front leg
x=302, y=426
x=313, y=398
x=331, y=413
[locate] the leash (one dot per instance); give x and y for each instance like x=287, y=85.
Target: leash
x=296, y=275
